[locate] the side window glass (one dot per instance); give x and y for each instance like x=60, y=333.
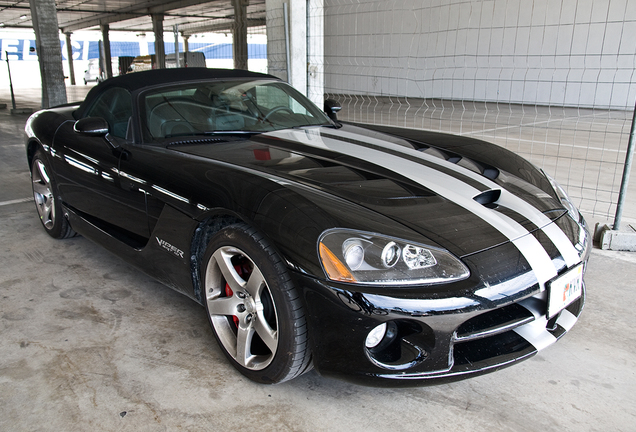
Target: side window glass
x=114, y=106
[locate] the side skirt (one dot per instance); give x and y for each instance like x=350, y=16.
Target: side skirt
x=165, y=257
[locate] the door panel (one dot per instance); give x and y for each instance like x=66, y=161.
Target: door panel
x=89, y=181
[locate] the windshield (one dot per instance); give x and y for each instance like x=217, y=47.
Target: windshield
x=233, y=106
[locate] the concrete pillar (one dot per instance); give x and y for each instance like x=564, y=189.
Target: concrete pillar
x=239, y=34
x=143, y=44
x=160, y=52
x=108, y=63
x=298, y=45
x=276, y=51
x=316, y=51
x=69, y=55
x=47, y=45
x=177, y=60
x=276, y=54
x=186, y=47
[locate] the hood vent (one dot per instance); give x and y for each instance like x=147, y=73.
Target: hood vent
x=471, y=164
x=488, y=198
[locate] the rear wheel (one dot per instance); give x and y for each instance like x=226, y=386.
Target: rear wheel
x=46, y=202
x=253, y=307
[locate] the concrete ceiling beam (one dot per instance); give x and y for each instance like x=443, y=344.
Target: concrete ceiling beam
x=129, y=12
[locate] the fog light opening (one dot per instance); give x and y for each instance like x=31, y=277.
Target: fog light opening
x=395, y=345
x=381, y=336
x=375, y=336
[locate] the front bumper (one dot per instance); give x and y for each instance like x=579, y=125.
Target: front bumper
x=441, y=335
x=438, y=340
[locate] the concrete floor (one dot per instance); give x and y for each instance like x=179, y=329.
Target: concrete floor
x=90, y=343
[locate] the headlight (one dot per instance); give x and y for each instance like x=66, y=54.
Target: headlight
x=565, y=199
x=364, y=257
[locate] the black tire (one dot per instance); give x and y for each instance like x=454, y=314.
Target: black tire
x=255, y=311
x=47, y=201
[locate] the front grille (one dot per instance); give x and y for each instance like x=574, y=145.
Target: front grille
x=499, y=347
x=489, y=336
x=494, y=322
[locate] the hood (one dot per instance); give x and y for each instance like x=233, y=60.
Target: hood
x=465, y=204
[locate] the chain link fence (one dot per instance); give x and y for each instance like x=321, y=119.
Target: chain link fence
x=551, y=81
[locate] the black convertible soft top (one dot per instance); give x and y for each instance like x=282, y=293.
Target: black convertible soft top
x=138, y=80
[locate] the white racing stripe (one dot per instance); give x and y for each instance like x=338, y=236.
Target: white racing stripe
x=444, y=185
x=554, y=233
x=536, y=334
x=507, y=199
x=566, y=319
x=537, y=257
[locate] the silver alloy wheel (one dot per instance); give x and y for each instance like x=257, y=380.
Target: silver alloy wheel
x=43, y=195
x=241, y=308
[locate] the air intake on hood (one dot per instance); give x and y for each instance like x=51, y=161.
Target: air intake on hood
x=488, y=198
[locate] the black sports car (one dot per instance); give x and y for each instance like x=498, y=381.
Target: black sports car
x=375, y=254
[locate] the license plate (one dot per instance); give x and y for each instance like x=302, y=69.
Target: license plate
x=564, y=289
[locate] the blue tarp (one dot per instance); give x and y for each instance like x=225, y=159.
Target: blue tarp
x=18, y=49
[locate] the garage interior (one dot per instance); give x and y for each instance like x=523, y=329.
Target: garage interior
x=89, y=342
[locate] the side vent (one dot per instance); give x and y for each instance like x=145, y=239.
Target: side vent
x=488, y=198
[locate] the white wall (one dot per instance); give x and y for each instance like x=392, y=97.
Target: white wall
x=570, y=52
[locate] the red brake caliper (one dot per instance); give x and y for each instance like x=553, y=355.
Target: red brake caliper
x=244, y=272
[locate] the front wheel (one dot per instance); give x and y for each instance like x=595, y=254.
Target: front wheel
x=254, y=309
x=46, y=203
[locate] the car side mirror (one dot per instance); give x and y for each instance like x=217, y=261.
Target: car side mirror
x=331, y=109
x=91, y=126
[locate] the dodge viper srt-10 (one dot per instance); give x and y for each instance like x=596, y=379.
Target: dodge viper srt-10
x=380, y=255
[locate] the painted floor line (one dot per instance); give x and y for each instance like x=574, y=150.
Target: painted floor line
x=534, y=123
x=16, y=201
x=510, y=138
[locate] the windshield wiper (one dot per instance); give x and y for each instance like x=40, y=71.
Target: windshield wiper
x=313, y=125
x=239, y=132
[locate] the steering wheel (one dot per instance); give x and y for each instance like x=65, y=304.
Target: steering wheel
x=275, y=110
